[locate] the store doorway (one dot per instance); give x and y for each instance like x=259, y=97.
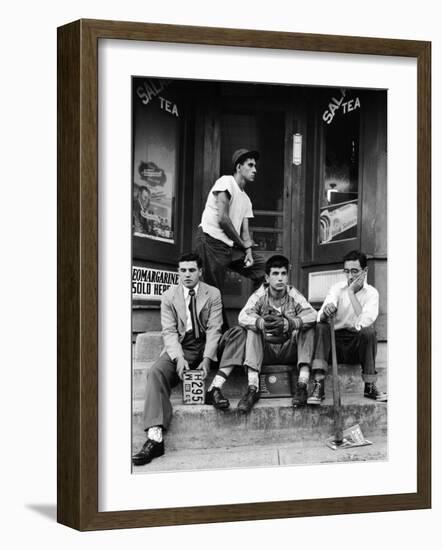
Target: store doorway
x=267, y=130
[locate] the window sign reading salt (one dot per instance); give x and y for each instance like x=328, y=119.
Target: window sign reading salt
x=336, y=104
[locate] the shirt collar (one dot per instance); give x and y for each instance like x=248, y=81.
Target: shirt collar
x=186, y=290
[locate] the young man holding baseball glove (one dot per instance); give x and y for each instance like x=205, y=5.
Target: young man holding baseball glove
x=277, y=326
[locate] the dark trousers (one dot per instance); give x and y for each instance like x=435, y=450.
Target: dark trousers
x=217, y=257
x=240, y=346
x=351, y=347
x=162, y=377
x=232, y=346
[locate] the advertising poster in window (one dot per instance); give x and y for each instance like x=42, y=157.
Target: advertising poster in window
x=155, y=160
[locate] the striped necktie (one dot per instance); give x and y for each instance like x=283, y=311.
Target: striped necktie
x=193, y=315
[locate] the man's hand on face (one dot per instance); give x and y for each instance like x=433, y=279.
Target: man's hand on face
x=358, y=283
x=181, y=366
x=329, y=311
x=204, y=366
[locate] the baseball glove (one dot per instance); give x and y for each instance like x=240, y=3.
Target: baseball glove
x=274, y=329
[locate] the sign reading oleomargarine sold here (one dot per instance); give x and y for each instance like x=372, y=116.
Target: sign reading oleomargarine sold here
x=150, y=284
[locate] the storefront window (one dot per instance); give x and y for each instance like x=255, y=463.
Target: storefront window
x=339, y=189
x=156, y=133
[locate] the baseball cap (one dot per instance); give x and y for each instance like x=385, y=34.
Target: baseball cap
x=242, y=154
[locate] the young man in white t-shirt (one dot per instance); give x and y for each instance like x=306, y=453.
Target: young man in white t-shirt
x=223, y=239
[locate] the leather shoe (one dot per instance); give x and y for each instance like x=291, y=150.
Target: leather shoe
x=300, y=397
x=248, y=400
x=216, y=398
x=151, y=449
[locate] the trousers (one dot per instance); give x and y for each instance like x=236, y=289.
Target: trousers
x=162, y=377
x=217, y=257
x=246, y=347
x=351, y=347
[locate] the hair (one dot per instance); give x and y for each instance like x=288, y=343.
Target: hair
x=243, y=159
x=144, y=188
x=276, y=261
x=191, y=257
x=356, y=255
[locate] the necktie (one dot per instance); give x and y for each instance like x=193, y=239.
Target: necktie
x=193, y=316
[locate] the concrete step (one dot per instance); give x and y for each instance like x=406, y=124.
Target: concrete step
x=271, y=421
x=236, y=384
x=264, y=455
x=148, y=346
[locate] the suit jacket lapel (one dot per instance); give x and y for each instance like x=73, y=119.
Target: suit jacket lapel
x=180, y=305
x=201, y=298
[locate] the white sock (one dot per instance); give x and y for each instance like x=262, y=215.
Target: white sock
x=155, y=433
x=219, y=380
x=304, y=374
x=253, y=377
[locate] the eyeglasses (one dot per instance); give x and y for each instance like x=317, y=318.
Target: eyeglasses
x=352, y=271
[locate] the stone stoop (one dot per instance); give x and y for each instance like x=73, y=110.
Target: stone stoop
x=148, y=347
x=236, y=385
x=271, y=421
x=201, y=429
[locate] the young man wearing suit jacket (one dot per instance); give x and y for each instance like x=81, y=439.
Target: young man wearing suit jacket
x=191, y=319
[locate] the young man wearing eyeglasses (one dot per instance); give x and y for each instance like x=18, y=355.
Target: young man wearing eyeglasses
x=354, y=305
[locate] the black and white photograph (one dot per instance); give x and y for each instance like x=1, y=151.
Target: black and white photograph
x=221, y=306
x=259, y=275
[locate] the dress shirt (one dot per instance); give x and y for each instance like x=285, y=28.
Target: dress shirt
x=346, y=317
x=187, y=300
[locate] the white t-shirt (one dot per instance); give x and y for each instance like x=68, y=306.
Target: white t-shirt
x=240, y=208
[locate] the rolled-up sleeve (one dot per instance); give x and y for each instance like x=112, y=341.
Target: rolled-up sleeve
x=221, y=185
x=331, y=298
x=370, y=310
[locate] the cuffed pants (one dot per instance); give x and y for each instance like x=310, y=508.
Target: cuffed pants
x=351, y=347
x=162, y=377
